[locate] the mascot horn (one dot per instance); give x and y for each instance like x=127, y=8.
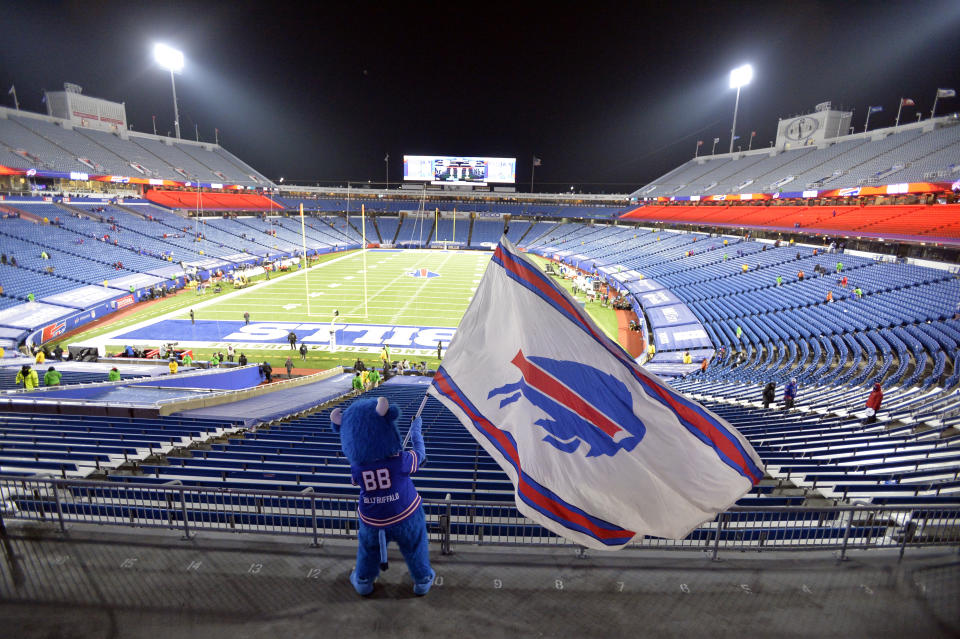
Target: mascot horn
x=389, y=508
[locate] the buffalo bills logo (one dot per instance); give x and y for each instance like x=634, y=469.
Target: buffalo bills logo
x=584, y=404
x=422, y=272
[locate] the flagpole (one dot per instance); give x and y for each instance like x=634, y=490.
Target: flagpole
x=533, y=170
x=899, y=109
x=696, y=151
x=934, y=109
x=16, y=103
x=419, y=410
x=866, y=125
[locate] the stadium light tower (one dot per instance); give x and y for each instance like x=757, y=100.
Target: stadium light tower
x=170, y=58
x=739, y=77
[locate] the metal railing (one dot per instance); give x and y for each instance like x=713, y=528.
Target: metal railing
x=191, y=509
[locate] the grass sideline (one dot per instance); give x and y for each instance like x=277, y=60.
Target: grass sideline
x=393, y=298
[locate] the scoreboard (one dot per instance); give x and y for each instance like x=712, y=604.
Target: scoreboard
x=459, y=170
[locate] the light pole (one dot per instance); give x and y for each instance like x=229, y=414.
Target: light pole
x=386, y=160
x=739, y=77
x=170, y=58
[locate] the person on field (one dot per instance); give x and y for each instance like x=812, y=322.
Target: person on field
x=303, y=351
x=292, y=340
x=289, y=366
x=246, y=317
x=242, y=360
x=267, y=371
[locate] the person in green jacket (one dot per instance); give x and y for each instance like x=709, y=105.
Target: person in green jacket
x=358, y=383
x=51, y=377
x=187, y=360
x=114, y=375
x=28, y=377
x=214, y=361
x=374, y=377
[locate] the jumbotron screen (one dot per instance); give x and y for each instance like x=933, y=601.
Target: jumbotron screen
x=447, y=169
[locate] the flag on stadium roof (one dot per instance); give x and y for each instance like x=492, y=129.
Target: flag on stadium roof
x=537, y=161
x=907, y=102
x=699, y=142
x=946, y=93
x=599, y=451
x=715, y=140
x=875, y=109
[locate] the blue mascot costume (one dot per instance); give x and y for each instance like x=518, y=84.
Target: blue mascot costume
x=389, y=508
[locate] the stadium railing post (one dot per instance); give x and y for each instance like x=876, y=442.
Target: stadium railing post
x=846, y=536
x=183, y=510
x=56, y=499
x=445, y=528
x=716, y=538
x=313, y=518
x=908, y=532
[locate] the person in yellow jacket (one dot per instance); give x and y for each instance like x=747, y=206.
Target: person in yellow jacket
x=687, y=359
x=41, y=358
x=173, y=366
x=28, y=377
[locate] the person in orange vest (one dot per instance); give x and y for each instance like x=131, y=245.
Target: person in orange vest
x=829, y=296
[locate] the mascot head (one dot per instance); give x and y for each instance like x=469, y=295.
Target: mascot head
x=368, y=430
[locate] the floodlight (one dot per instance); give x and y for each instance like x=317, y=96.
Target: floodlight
x=168, y=57
x=741, y=76
x=172, y=60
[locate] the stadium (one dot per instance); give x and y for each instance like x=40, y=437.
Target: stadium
x=182, y=471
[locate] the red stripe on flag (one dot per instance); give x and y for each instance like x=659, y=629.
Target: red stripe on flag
x=524, y=487
x=719, y=440
x=556, y=390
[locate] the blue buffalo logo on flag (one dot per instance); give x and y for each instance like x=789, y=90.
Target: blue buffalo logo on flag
x=422, y=272
x=599, y=450
x=586, y=406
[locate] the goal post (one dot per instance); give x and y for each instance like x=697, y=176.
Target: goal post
x=322, y=303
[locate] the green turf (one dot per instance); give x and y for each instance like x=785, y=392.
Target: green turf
x=604, y=316
x=392, y=295
x=337, y=282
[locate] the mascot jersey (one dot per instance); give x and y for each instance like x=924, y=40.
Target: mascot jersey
x=387, y=494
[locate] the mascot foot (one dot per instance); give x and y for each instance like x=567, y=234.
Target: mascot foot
x=363, y=586
x=421, y=588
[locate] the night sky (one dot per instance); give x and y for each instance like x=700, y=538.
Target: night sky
x=610, y=97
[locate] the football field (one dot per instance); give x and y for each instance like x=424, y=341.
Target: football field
x=407, y=299
x=403, y=287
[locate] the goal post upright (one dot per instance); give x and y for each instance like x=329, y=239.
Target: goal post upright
x=306, y=276
x=363, y=232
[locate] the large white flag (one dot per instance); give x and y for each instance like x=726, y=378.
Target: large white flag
x=599, y=451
